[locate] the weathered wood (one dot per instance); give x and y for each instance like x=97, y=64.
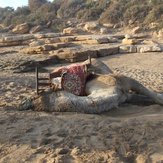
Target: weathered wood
x=36, y=70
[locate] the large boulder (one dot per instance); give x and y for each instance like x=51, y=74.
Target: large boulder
x=21, y=29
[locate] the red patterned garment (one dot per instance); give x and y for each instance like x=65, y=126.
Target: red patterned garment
x=73, y=78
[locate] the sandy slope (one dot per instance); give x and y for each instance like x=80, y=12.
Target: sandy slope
x=128, y=134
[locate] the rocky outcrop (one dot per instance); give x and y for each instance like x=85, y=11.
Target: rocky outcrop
x=21, y=29
x=15, y=40
x=44, y=49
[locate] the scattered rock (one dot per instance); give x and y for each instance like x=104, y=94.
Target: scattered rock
x=52, y=40
x=126, y=41
x=21, y=29
x=37, y=43
x=112, y=39
x=48, y=35
x=38, y=49
x=141, y=159
x=15, y=40
x=127, y=36
x=71, y=30
x=128, y=49
x=91, y=26
x=62, y=151
x=102, y=40
x=36, y=29
x=108, y=25
x=103, y=30
x=83, y=38
x=107, y=51
x=75, y=151
x=136, y=30
x=148, y=48
x=160, y=33
x=11, y=84
x=67, y=39
x=150, y=42
x=75, y=55
x=153, y=25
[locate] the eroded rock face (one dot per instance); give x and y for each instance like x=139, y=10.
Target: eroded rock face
x=21, y=29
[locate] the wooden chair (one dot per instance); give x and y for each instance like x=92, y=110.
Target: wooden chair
x=46, y=81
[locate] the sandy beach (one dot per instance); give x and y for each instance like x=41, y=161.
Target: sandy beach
x=127, y=134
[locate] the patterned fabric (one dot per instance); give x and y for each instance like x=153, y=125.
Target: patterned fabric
x=73, y=78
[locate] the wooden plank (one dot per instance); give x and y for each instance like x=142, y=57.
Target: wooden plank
x=43, y=84
x=43, y=79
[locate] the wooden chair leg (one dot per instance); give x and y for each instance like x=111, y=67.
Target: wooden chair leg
x=36, y=71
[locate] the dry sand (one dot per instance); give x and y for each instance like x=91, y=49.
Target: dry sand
x=127, y=134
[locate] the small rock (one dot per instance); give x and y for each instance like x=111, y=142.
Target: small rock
x=62, y=151
x=21, y=29
x=128, y=49
x=11, y=84
x=136, y=30
x=75, y=151
x=36, y=29
x=126, y=41
x=103, y=30
x=127, y=36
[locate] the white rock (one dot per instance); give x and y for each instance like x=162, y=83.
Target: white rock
x=128, y=49
x=148, y=48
